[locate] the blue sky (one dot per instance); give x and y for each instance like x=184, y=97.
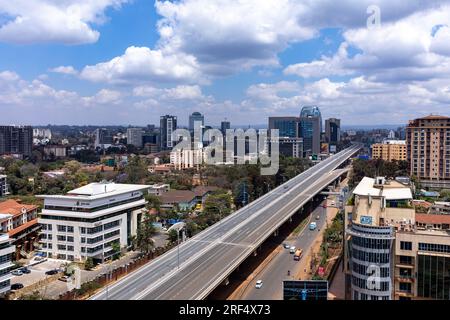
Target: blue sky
x=128, y=62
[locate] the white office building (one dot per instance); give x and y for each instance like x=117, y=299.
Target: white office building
x=6, y=254
x=88, y=221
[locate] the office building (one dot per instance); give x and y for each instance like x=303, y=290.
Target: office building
x=6, y=253
x=332, y=130
x=390, y=150
x=428, y=150
x=224, y=126
x=187, y=158
x=287, y=126
x=103, y=138
x=379, y=208
x=3, y=186
x=310, y=128
x=17, y=140
x=196, y=120
x=20, y=222
x=134, y=137
x=91, y=220
x=288, y=147
x=168, y=124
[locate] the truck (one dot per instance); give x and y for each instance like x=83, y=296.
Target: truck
x=298, y=254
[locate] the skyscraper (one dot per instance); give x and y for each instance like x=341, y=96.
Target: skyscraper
x=134, y=137
x=16, y=140
x=333, y=130
x=168, y=124
x=196, y=119
x=428, y=150
x=103, y=138
x=287, y=126
x=310, y=128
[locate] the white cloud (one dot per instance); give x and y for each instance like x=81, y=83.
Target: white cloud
x=68, y=70
x=56, y=21
x=139, y=64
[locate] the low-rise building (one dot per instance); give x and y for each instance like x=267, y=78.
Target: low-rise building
x=158, y=189
x=186, y=200
x=89, y=221
x=6, y=254
x=20, y=222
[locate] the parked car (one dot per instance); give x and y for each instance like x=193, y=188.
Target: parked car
x=17, y=272
x=51, y=272
x=64, y=278
x=16, y=286
x=259, y=284
x=25, y=270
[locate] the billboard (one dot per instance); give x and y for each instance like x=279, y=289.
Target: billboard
x=305, y=290
x=324, y=147
x=332, y=148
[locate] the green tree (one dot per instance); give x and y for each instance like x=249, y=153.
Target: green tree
x=89, y=263
x=146, y=230
x=173, y=235
x=154, y=202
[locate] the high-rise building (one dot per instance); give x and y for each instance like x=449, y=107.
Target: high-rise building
x=168, y=124
x=6, y=254
x=333, y=130
x=224, y=126
x=16, y=140
x=390, y=150
x=196, y=120
x=310, y=128
x=134, y=137
x=392, y=251
x=103, y=138
x=3, y=186
x=90, y=221
x=428, y=150
x=287, y=126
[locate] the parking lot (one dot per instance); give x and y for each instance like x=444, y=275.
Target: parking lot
x=37, y=272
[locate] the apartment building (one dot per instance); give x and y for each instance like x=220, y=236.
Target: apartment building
x=89, y=221
x=16, y=140
x=20, y=222
x=3, y=186
x=6, y=253
x=428, y=150
x=187, y=158
x=390, y=150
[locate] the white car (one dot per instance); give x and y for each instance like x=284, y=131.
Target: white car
x=259, y=284
x=292, y=249
x=333, y=203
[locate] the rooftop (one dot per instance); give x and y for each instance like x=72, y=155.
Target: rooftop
x=391, y=190
x=433, y=218
x=98, y=190
x=14, y=208
x=177, y=196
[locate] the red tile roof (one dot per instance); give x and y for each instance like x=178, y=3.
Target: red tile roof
x=15, y=208
x=22, y=227
x=433, y=218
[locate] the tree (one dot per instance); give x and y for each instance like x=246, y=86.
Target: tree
x=136, y=170
x=173, y=235
x=146, y=230
x=217, y=206
x=116, y=249
x=154, y=202
x=88, y=264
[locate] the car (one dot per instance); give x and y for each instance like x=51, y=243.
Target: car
x=333, y=203
x=292, y=249
x=324, y=206
x=51, y=272
x=64, y=278
x=25, y=270
x=286, y=245
x=16, y=286
x=286, y=187
x=17, y=272
x=312, y=226
x=317, y=217
x=259, y=284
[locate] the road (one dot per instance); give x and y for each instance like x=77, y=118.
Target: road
x=276, y=271
x=210, y=256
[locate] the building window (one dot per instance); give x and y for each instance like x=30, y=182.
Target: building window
x=61, y=228
x=405, y=287
x=405, y=260
x=69, y=248
x=69, y=239
x=61, y=238
x=70, y=229
x=406, y=245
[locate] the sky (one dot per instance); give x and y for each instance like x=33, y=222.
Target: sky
x=127, y=62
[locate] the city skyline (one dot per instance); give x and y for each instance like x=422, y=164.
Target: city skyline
x=128, y=62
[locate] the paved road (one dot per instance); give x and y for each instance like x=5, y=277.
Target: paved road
x=276, y=271
x=210, y=256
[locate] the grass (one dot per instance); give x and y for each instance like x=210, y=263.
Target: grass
x=300, y=227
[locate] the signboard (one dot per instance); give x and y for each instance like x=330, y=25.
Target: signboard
x=305, y=290
x=332, y=148
x=366, y=220
x=324, y=148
